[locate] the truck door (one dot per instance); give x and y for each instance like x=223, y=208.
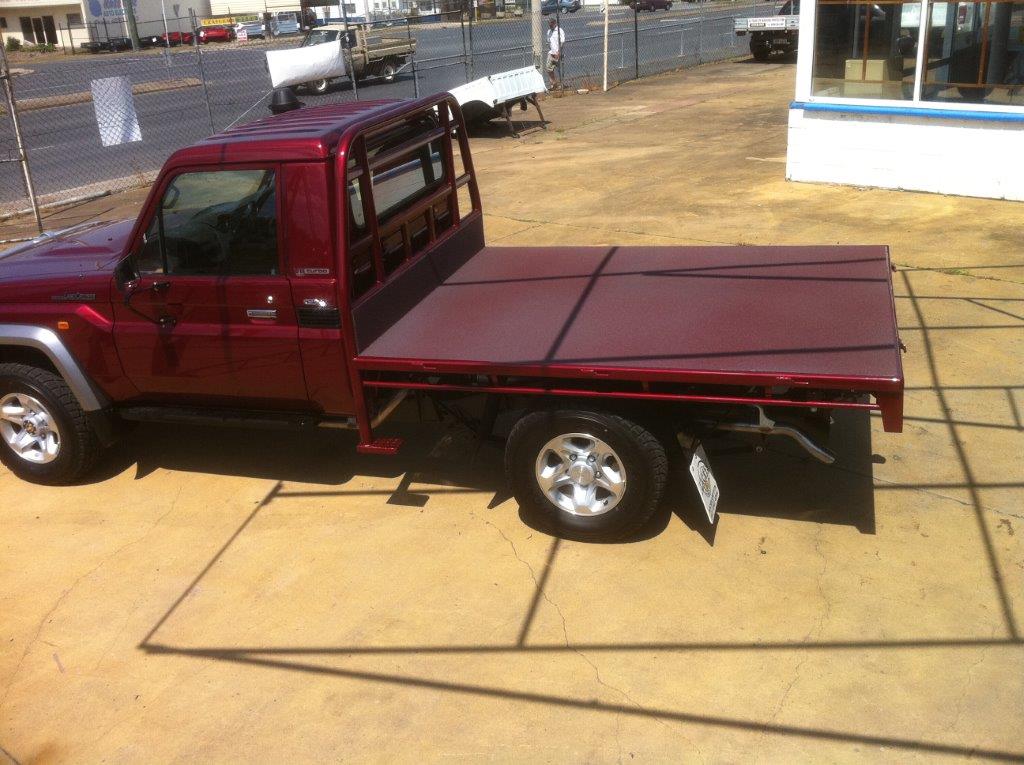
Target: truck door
x=211, y=320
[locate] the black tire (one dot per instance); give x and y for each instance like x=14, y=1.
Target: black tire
x=79, y=448
x=641, y=454
x=388, y=71
x=318, y=87
x=760, y=52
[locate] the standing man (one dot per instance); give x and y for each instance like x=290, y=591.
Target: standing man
x=556, y=49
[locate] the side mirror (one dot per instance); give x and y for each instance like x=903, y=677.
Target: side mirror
x=126, y=278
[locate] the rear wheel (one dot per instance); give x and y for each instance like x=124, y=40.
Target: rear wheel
x=388, y=71
x=585, y=475
x=760, y=50
x=319, y=86
x=45, y=436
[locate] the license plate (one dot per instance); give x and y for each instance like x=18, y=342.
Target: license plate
x=705, y=482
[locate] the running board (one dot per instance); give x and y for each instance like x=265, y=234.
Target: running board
x=230, y=418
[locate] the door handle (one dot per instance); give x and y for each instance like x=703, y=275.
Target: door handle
x=261, y=313
x=166, y=322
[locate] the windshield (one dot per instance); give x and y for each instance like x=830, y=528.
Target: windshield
x=320, y=36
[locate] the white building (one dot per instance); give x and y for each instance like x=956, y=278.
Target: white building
x=884, y=100
x=36, y=22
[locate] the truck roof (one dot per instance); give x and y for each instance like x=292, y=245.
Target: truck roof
x=302, y=134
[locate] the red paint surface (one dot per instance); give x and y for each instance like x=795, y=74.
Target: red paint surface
x=786, y=312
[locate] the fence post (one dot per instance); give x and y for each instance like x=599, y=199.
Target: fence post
x=472, y=13
x=415, y=81
x=5, y=75
x=700, y=30
x=636, y=41
x=202, y=70
x=465, y=54
x=351, y=63
x=607, y=3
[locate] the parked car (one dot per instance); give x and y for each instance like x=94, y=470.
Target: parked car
x=177, y=38
x=221, y=305
x=651, y=5
x=368, y=53
x=561, y=6
x=150, y=41
x=284, y=23
x=216, y=34
x=253, y=30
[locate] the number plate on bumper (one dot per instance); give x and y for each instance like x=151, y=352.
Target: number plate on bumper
x=705, y=481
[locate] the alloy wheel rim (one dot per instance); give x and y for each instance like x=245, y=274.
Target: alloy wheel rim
x=580, y=474
x=29, y=429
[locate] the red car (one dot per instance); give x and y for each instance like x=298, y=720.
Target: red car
x=216, y=34
x=177, y=38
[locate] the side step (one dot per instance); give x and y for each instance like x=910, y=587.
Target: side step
x=229, y=417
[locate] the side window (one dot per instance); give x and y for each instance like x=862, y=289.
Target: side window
x=221, y=223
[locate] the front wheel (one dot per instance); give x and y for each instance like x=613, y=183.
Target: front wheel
x=45, y=437
x=585, y=475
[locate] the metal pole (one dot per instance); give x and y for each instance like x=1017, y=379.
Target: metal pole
x=465, y=53
x=5, y=75
x=537, y=22
x=129, y=20
x=607, y=3
x=700, y=29
x=561, y=50
x=415, y=81
x=636, y=42
x=346, y=47
x=202, y=70
x=472, y=13
x=167, y=34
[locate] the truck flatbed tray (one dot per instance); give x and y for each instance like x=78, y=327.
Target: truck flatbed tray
x=812, y=316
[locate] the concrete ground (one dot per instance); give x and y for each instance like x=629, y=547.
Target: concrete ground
x=224, y=596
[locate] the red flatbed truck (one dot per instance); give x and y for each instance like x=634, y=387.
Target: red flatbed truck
x=313, y=268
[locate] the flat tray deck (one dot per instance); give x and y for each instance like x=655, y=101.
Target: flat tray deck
x=657, y=312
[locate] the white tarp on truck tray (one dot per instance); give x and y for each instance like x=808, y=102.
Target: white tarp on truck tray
x=295, y=66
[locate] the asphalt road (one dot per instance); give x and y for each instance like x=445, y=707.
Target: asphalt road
x=66, y=154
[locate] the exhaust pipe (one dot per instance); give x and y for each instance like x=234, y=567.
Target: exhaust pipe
x=766, y=426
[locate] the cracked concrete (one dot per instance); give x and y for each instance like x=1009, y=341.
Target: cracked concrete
x=866, y=610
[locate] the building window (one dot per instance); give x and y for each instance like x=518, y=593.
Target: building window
x=973, y=51
x=26, y=29
x=74, y=19
x=865, y=50
x=3, y=22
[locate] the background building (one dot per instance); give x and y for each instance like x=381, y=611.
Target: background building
x=925, y=95
x=37, y=22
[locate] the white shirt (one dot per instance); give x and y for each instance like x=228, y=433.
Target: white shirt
x=556, y=37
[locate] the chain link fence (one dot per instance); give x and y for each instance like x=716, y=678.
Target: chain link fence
x=182, y=92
